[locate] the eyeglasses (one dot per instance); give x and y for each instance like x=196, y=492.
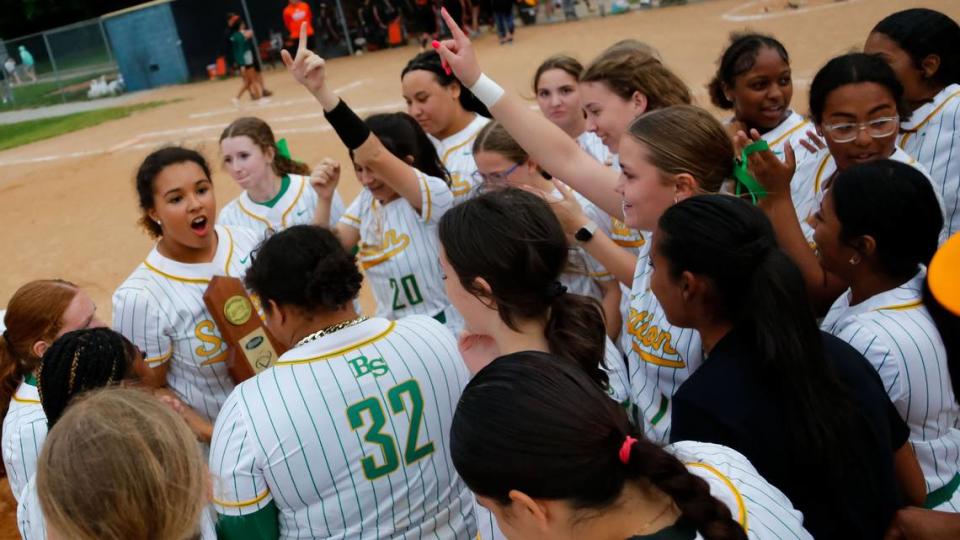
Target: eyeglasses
x=877, y=128
x=494, y=177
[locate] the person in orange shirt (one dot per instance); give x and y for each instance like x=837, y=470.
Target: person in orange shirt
x=297, y=12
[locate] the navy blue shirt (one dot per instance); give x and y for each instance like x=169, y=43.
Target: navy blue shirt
x=726, y=402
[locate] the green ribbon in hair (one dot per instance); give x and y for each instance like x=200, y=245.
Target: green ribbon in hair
x=283, y=149
x=745, y=180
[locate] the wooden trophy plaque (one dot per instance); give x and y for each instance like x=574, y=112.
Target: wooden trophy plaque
x=252, y=347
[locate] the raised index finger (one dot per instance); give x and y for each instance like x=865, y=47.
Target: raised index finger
x=303, y=38
x=455, y=30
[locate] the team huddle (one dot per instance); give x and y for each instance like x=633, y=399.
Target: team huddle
x=617, y=317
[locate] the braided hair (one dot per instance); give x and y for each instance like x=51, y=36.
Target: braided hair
x=80, y=361
x=537, y=423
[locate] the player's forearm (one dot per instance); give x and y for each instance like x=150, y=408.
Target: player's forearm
x=369, y=152
x=611, y=308
x=618, y=261
x=822, y=287
x=558, y=154
x=909, y=475
x=321, y=215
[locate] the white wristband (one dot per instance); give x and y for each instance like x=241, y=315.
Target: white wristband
x=487, y=91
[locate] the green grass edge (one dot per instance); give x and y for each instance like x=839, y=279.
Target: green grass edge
x=29, y=131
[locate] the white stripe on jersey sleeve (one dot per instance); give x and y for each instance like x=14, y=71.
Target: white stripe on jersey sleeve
x=239, y=485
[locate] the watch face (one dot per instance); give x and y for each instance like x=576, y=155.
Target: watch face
x=583, y=234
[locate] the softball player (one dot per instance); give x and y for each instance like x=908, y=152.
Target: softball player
x=908, y=41
x=754, y=80
x=812, y=179
x=160, y=307
x=346, y=435
x=393, y=220
x=893, y=329
x=895, y=333
x=24, y=430
x=853, y=101
x=520, y=391
x=452, y=123
x=39, y=313
x=277, y=190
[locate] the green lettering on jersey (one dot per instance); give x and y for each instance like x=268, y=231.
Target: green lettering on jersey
x=387, y=445
x=361, y=365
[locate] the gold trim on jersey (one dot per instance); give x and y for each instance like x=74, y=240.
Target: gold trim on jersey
x=458, y=187
x=283, y=218
x=226, y=267
x=159, y=359
x=429, y=201
x=342, y=350
x=933, y=113
x=628, y=238
x=175, y=278
x=816, y=179
x=22, y=400
x=741, y=507
x=901, y=307
x=789, y=132
x=349, y=217
x=241, y=504
x=254, y=216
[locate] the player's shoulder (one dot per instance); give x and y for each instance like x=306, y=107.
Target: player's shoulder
x=140, y=281
x=423, y=323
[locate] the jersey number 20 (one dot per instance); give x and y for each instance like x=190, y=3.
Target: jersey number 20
x=410, y=289
x=378, y=418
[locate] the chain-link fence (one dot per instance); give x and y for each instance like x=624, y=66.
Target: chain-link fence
x=56, y=66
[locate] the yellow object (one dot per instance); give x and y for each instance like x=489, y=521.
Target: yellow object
x=944, y=274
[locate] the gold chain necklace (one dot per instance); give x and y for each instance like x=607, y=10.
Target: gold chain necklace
x=329, y=330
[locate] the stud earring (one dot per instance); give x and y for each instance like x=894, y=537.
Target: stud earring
x=855, y=260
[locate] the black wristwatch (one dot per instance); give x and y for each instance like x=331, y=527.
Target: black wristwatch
x=585, y=234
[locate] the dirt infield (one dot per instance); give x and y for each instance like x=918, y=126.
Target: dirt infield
x=67, y=205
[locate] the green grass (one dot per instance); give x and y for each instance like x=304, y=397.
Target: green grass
x=20, y=133
x=45, y=93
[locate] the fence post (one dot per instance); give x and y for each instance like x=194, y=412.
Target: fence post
x=56, y=72
x=346, y=29
x=106, y=42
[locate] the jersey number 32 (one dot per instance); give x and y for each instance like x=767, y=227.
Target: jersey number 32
x=376, y=414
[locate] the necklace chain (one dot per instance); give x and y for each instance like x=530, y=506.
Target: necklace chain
x=329, y=330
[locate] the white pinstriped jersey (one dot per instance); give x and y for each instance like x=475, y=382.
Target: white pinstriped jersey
x=625, y=237
x=792, y=130
x=760, y=508
x=348, y=435
x=811, y=180
x=593, y=145
x=297, y=207
x=24, y=430
x=30, y=520
x=933, y=137
x=160, y=309
x=660, y=355
x=456, y=153
x=400, y=251
x=894, y=332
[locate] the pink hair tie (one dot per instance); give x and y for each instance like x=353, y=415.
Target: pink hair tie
x=625, y=449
